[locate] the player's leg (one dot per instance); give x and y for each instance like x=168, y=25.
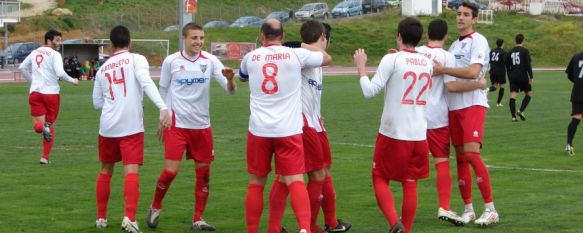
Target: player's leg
x=316, y=169
x=525, y=101
x=464, y=175
x=132, y=154
x=201, y=149
x=102, y=191
x=512, y=102
x=492, y=87
x=259, y=154
x=52, y=103
x=314, y=188
x=576, y=115
x=385, y=200
x=409, y=206
x=277, y=203
x=500, y=93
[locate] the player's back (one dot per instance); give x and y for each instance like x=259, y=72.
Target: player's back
x=575, y=74
x=406, y=95
x=117, y=82
x=312, y=96
x=275, y=84
x=437, y=110
x=44, y=76
x=518, y=61
x=497, y=57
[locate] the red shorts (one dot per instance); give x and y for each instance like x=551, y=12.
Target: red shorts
x=289, y=155
x=438, y=140
x=198, y=144
x=129, y=149
x=400, y=160
x=316, y=149
x=467, y=125
x=44, y=104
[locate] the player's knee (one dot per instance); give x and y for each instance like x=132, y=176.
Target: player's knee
x=317, y=175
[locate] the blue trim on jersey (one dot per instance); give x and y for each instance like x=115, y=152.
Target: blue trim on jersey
x=243, y=75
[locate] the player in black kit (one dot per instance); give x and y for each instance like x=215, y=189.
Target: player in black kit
x=497, y=70
x=575, y=74
x=519, y=69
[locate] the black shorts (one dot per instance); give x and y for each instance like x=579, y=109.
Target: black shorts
x=520, y=85
x=577, y=108
x=498, y=78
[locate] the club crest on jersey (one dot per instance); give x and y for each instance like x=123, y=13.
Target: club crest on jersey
x=181, y=67
x=203, y=67
x=463, y=45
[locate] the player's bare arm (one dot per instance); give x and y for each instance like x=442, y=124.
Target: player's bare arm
x=458, y=87
x=360, y=59
x=469, y=72
x=230, y=74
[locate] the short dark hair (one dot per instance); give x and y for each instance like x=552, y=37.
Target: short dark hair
x=410, y=30
x=272, y=33
x=499, y=42
x=519, y=38
x=51, y=34
x=311, y=31
x=472, y=6
x=190, y=26
x=327, y=30
x=120, y=37
x=437, y=29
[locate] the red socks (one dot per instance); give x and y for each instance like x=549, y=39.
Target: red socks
x=131, y=189
x=464, y=178
x=300, y=204
x=329, y=202
x=47, y=146
x=385, y=199
x=201, y=191
x=164, y=181
x=277, y=202
x=253, y=207
x=409, y=206
x=38, y=127
x=315, y=194
x=102, y=190
x=443, y=184
x=482, y=175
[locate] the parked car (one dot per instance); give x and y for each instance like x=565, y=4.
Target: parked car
x=454, y=4
x=17, y=52
x=347, y=9
x=247, y=21
x=369, y=6
x=282, y=16
x=394, y=3
x=171, y=28
x=313, y=10
x=216, y=24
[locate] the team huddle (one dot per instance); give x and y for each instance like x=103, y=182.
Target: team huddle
x=433, y=98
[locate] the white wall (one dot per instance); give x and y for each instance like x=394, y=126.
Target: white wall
x=421, y=7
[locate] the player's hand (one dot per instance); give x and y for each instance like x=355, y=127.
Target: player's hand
x=76, y=82
x=228, y=73
x=165, y=119
x=529, y=81
x=437, y=68
x=160, y=132
x=483, y=83
x=392, y=50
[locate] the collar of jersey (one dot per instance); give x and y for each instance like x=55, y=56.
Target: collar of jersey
x=190, y=60
x=466, y=36
x=409, y=50
x=119, y=52
x=432, y=47
x=271, y=44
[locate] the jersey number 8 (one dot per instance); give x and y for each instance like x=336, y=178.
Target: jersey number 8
x=270, y=71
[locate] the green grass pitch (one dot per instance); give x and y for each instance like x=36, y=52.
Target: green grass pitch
x=60, y=197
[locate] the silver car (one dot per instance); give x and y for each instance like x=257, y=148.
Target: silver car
x=313, y=11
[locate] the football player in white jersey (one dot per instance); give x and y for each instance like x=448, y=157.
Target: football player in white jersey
x=437, y=123
x=401, y=152
x=119, y=88
x=185, y=87
x=43, y=68
x=318, y=157
x=275, y=125
x=468, y=113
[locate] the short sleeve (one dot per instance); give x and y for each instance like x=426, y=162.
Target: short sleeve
x=309, y=59
x=243, y=69
x=480, y=51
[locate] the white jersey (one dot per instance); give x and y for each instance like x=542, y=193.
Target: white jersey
x=437, y=104
x=274, y=74
x=471, y=49
x=312, y=97
x=43, y=68
x=405, y=77
x=185, y=87
x=118, y=91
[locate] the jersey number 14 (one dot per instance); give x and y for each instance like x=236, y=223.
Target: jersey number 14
x=113, y=79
